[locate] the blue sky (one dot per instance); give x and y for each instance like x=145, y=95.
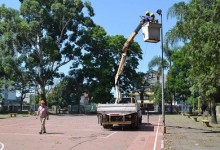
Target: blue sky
x=122, y=17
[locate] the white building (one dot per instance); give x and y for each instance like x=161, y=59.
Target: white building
x=7, y=94
x=29, y=97
x=7, y=97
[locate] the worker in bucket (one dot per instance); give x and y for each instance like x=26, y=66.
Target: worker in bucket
x=152, y=18
x=147, y=18
x=44, y=114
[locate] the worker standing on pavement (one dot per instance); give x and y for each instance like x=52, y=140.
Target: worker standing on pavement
x=84, y=101
x=44, y=114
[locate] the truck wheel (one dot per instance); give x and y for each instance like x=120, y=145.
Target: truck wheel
x=136, y=124
x=135, y=127
x=107, y=126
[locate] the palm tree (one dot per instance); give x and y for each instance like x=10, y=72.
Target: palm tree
x=167, y=62
x=178, y=11
x=194, y=20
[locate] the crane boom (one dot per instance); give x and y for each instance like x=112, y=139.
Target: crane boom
x=127, y=111
x=123, y=58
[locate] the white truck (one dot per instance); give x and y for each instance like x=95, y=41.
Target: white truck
x=126, y=111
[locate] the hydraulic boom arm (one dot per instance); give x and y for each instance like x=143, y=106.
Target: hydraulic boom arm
x=123, y=59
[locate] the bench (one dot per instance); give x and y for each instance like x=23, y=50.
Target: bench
x=194, y=118
x=188, y=115
x=13, y=114
x=205, y=122
x=63, y=111
x=182, y=113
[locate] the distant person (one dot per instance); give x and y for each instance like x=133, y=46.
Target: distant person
x=44, y=114
x=84, y=100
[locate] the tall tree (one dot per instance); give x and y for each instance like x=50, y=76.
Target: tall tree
x=11, y=72
x=100, y=62
x=64, y=93
x=45, y=35
x=198, y=25
x=156, y=62
x=177, y=79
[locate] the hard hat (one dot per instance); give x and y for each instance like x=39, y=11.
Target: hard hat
x=42, y=102
x=152, y=14
x=147, y=13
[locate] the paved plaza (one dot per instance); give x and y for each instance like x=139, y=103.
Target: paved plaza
x=77, y=132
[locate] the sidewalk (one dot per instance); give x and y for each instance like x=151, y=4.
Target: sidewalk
x=183, y=133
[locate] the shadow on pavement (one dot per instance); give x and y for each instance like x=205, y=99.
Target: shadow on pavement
x=212, y=132
x=54, y=133
x=142, y=127
x=91, y=114
x=146, y=127
x=205, y=130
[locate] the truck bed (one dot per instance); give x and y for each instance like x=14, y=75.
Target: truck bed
x=122, y=109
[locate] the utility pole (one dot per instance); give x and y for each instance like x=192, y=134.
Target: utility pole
x=159, y=12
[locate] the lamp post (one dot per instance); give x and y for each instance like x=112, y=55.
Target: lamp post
x=159, y=12
x=34, y=99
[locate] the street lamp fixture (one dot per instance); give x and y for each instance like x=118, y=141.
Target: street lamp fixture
x=159, y=12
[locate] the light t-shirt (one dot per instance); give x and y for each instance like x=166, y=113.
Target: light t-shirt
x=42, y=111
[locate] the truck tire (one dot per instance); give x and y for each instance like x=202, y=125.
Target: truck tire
x=135, y=124
x=107, y=126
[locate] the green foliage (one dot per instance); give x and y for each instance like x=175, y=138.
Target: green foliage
x=100, y=60
x=43, y=36
x=64, y=93
x=157, y=92
x=198, y=27
x=195, y=20
x=191, y=100
x=177, y=81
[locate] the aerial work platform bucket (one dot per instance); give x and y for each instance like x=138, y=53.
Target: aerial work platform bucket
x=151, y=32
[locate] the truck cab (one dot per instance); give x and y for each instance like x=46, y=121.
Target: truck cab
x=128, y=100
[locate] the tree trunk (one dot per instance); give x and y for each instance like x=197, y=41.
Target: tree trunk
x=171, y=107
x=79, y=93
x=171, y=103
x=21, y=103
x=78, y=99
x=142, y=98
x=142, y=101
x=21, y=100
x=213, y=112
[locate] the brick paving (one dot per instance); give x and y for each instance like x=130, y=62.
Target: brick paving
x=76, y=132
